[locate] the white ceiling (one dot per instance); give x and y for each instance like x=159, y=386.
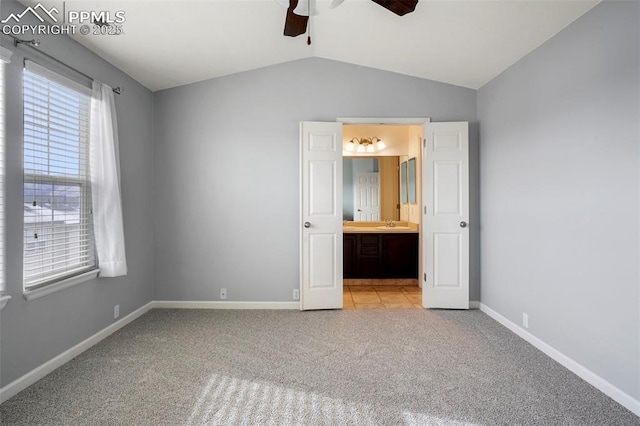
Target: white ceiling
x=466, y=43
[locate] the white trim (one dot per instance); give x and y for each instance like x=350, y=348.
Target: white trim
x=39, y=372
x=578, y=369
x=5, y=54
x=179, y=304
x=3, y=300
x=383, y=120
x=37, y=293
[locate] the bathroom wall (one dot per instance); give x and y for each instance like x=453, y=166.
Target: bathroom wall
x=389, y=188
x=411, y=211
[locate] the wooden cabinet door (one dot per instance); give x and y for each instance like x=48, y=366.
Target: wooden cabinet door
x=400, y=255
x=350, y=262
x=369, y=250
x=380, y=255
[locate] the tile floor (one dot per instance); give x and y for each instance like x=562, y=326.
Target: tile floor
x=378, y=295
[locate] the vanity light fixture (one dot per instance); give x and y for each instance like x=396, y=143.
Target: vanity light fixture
x=363, y=145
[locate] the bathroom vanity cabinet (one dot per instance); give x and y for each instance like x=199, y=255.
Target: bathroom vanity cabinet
x=380, y=255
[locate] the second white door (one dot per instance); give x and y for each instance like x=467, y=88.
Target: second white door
x=446, y=216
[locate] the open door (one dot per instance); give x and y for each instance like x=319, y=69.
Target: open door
x=446, y=216
x=321, y=215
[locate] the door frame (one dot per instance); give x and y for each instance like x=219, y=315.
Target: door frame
x=408, y=121
x=419, y=121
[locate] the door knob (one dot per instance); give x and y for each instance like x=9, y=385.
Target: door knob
x=463, y=224
x=359, y=210
x=307, y=225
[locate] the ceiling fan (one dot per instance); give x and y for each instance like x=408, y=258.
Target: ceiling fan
x=298, y=12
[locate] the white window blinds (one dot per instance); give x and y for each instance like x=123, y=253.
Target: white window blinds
x=58, y=225
x=5, y=56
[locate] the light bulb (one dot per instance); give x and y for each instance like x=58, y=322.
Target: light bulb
x=360, y=148
x=350, y=146
x=370, y=148
x=306, y=8
x=381, y=145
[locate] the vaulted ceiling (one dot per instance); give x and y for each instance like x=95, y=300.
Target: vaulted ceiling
x=466, y=43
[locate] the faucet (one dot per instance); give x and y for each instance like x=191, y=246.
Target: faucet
x=391, y=224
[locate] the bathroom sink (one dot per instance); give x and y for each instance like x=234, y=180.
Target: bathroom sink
x=391, y=228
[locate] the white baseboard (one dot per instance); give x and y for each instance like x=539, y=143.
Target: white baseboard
x=578, y=369
x=178, y=304
x=38, y=373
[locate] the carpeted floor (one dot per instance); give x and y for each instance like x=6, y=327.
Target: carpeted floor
x=395, y=367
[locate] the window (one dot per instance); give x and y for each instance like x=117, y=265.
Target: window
x=58, y=225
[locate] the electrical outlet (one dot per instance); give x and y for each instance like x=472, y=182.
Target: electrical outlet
x=296, y=294
x=223, y=293
x=116, y=311
x=525, y=320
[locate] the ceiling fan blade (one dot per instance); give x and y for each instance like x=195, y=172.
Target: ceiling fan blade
x=294, y=25
x=399, y=7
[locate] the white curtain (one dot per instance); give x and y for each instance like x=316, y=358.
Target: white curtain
x=105, y=183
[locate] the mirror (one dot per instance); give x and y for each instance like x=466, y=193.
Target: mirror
x=411, y=186
x=370, y=189
x=403, y=182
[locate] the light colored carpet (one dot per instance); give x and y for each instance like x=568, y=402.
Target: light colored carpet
x=395, y=367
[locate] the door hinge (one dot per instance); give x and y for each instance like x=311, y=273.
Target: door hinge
x=424, y=143
x=425, y=277
x=425, y=209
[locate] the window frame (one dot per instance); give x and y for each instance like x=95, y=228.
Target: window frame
x=59, y=278
x=5, y=59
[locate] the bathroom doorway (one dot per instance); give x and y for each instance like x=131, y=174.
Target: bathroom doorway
x=381, y=200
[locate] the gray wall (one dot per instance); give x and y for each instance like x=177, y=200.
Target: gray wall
x=225, y=217
x=36, y=331
x=560, y=187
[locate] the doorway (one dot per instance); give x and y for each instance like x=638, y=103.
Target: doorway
x=381, y=253
x=444, y=242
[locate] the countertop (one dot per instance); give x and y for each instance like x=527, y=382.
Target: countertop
x=380, y=229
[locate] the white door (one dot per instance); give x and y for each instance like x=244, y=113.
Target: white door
x=446, y=216
x=321, y=215
x=367, y=197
